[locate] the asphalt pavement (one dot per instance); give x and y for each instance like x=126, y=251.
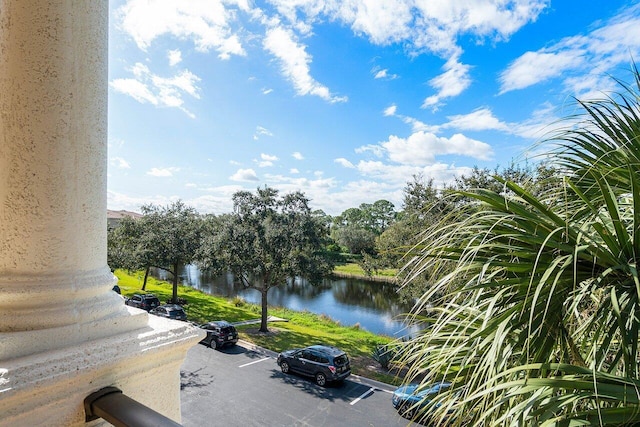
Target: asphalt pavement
x=243, y=386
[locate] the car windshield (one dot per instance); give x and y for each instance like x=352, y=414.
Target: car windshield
x=227, y=329
x=435, y=389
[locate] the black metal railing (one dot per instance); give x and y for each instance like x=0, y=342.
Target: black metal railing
x=120, y=410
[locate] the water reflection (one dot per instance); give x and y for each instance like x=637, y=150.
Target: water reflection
x=372, y=305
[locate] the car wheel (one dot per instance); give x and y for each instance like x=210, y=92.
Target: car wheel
x=213, y=344
x=321, y=379
x=408, y=412
x=284, y=366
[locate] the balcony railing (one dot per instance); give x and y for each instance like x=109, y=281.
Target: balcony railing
x=120, y=410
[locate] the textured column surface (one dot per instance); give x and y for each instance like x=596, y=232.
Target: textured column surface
x=53, y=151
x=63, y=332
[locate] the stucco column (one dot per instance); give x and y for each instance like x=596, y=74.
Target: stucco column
x=53, y=150
x=63, y=332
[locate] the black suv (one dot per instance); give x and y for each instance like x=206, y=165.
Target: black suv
x=170, y=311
x=322, y=362
x=145, y=302
x=219, y=334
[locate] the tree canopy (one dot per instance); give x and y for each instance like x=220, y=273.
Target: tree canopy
x=165, y=237
x=267, y=240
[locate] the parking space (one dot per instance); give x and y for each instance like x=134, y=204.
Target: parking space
x=238, y=386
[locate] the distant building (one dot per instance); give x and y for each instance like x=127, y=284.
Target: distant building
x=114, y=217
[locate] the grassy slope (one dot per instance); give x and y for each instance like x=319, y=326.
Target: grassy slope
x=302, y=328
x=355, y=270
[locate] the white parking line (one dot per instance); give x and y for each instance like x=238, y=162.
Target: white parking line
x=362, y=396
x=255, y=361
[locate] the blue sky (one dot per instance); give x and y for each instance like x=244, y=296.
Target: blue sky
x=344, y=100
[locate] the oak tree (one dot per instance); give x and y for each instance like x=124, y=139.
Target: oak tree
x=266, y=240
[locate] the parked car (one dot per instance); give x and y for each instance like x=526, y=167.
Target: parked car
x=170, y=311
x=410, y=399
x=219, y=334
x=143, y=301
x=322, y=362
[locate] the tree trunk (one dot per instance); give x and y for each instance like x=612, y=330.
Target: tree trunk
x=174, y=298
x=146, y=274
x=263, y=321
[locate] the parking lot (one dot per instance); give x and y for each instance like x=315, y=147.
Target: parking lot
x=241, y=386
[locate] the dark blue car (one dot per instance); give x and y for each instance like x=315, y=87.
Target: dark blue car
x=411, y=399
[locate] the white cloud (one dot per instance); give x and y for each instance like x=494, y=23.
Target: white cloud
x=419, y=26
x=297, y=155
x=261, y=131
x=119, y=201
x=383, y=22
x=419, y=126
x=451, y=83
x=481, y=119
x=295, y=63
x=120, y=163
x=135, y=89
x=543, y=121
x=147, y=87
x=390, y=110
x=164, y=172
x=175, y=57
x=344, y=162
x=294, y=171
x=383, y=74
x=432, y=26
x=376, y=149
x=244, y=175
x=597, y=52
x=535, y=67
x=421, y=148
x=219, y=202
x=266, y=91
x=266, y=160
x=206, y=22
x=396, y=175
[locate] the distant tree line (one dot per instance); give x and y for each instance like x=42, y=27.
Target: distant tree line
x=269, y=239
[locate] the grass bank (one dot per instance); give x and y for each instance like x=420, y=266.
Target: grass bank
x=354, y=270
x=301, y=329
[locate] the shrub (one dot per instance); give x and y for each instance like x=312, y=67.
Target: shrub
x=383, y=355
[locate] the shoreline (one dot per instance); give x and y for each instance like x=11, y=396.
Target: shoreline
x=382, y=279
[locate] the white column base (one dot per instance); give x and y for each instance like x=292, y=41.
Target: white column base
x=49, y=388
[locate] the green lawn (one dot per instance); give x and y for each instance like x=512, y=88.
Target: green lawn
x=301, y=329
x=354, y=269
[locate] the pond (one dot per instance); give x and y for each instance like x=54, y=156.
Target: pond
x=373, y=306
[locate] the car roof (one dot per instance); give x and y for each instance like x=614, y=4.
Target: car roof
x=334, y=351
x=220, y=323
x=172, y=306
